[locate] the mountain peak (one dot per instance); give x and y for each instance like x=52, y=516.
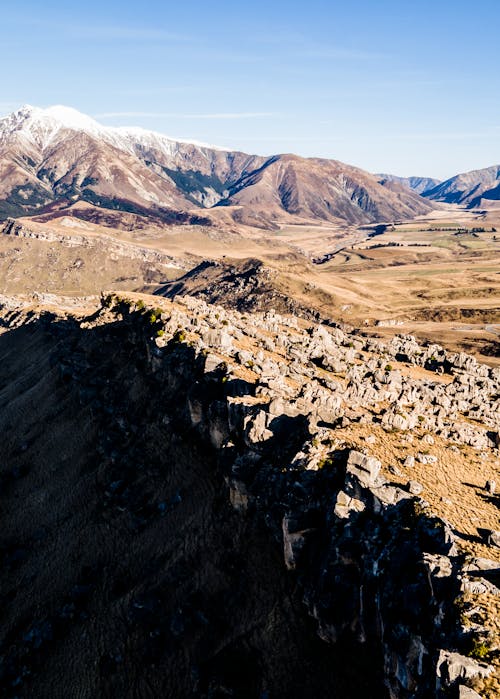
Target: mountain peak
x=71, y=118
x=39, y=126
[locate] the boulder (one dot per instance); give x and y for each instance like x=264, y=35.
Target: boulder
x=437, y=565
x=414, y=487
x=256, y=428
x=365, y=468
x=467, y=693
x=427, y=458
x=494, y=538
x=491, y=487
x=453, y=666
x=345, y=504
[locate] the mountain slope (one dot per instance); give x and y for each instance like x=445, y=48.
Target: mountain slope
x=314, y=188
x=469, y=188
x=44, y=159
x=59, y=156
x=416, y=184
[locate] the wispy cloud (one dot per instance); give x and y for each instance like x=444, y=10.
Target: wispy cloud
x=107, y=32
x=339, y=53
x=303, y=46
x=156, y=90
x=128, y=33
x=293, y=139
x=178, y=115
x=447, y=135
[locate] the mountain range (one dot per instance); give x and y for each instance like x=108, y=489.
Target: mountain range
x=52, y=159
x=417, y=184
x=470, y=189
x=474, y=188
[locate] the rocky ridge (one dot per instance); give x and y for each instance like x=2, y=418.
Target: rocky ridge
x=248, y=285
x=291, y=365
x=276, y=400
x=11, y=227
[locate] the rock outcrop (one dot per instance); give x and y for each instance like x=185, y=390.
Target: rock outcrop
x=198, y=527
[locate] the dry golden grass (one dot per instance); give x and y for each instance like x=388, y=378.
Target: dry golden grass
x=444, y=287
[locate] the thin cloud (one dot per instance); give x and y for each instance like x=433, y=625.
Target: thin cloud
x=128, y=33
x=338, y=53
x=163, y=90
x=301, y=45
x=293, y=139
x=445, y=136
x=176, y=115
x=108, y=32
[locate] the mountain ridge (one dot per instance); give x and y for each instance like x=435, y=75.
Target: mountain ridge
x=418, y=184
x=469, y=188
x=60, y=156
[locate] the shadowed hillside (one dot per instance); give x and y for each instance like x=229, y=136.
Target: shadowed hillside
x=188, y=510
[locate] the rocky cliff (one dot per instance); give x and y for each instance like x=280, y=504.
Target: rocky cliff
x=202, y=503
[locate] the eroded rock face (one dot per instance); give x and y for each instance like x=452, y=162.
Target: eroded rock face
x=189, y=527
x=453, y=666
x=133, y=567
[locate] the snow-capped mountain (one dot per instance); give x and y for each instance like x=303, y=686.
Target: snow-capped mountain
x=57, y=156
x=41, y=127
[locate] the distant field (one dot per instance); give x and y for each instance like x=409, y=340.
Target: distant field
x=442, y=286
x=453, y=281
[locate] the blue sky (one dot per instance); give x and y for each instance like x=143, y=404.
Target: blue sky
x=392, y=86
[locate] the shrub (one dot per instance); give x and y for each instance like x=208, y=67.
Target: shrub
x=478, y=650
x=327, y=462
x=179, y=336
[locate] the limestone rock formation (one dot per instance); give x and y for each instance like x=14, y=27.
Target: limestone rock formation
x=197, y=521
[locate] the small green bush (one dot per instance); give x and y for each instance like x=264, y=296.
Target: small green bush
x=179, y=336
x=479, y=650
x=325, y=462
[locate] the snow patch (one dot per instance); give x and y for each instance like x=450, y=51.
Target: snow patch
x=41, y=126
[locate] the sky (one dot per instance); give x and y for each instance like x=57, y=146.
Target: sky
x=390, y=86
